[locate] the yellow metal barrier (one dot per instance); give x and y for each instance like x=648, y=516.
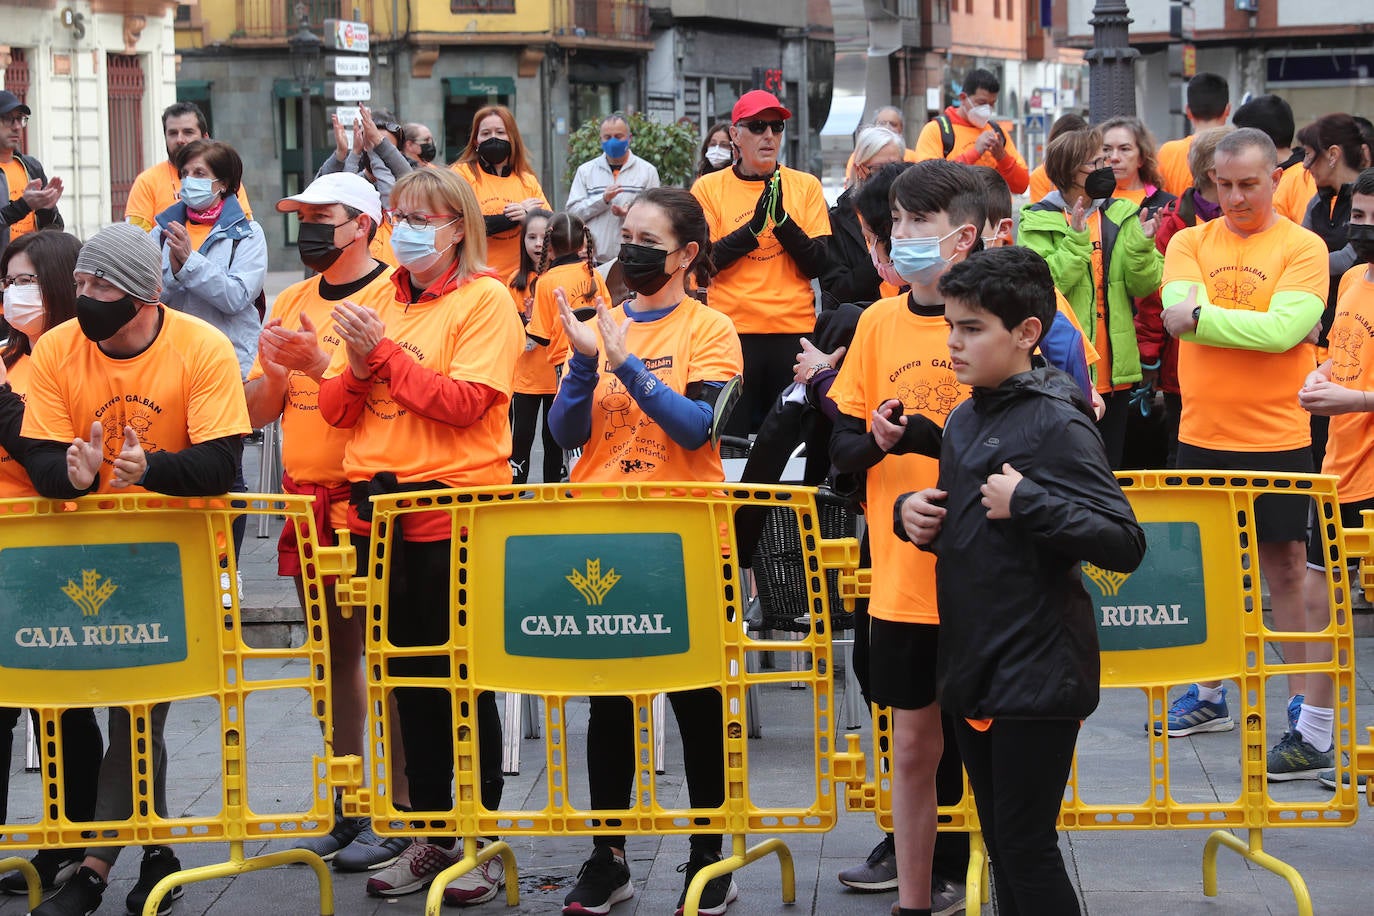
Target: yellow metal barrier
x=130, y=601
x=601, y=590
x=1193, y=612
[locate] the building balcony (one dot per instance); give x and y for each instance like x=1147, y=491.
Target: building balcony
x=599, y=21
x=272, y=21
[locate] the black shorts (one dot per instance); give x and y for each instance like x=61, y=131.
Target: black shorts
x=1277, y=518
x=901, y=663
x=1350, y=518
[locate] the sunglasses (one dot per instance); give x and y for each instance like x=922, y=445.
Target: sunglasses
x=758, y=127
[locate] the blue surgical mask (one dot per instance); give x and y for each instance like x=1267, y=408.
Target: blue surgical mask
x=614, y=147
x=411, y=245
x=198, y=193
x=919, y=260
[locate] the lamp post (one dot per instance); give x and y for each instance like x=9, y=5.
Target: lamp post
x=1111, y=61
x=305, y=60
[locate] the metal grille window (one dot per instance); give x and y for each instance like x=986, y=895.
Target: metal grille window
x=17, y=81
x=125, y=74
x=482, y=6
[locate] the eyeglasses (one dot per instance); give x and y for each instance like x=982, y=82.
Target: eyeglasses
x=17, y=280
x=758, y=127
x=391, y=127
x=422, y=220
x=16, y=120
x=1094, y=165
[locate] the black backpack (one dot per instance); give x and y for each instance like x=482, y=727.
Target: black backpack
x=947, y=133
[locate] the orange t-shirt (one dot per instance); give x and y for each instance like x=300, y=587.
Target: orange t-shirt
x=311, y=450
x=1039, y=184
x=930, y=145
x=1134, y=195
x=763, y=292
x=380, y=247
x=1173, y=165
x=534, y=374
x=183, y=390
x=493, y=194
x=18, y=179
x=1245, y=400
x=1350, y=439
x=1102, y=368
x=580, y=290
x=898, y=354
x=1295, y=191
x=471, y=334
x=158, y=187
x=14, y=480
x=690, y=344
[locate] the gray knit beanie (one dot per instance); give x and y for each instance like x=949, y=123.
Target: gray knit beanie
x=126, y=256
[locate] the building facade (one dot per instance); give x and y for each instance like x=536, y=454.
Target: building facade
x=96, y=74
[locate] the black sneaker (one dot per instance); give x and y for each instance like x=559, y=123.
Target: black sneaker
x=719, y=892
x=158, y=863
x=55, y=868
x=603, y=882
x=78, y=897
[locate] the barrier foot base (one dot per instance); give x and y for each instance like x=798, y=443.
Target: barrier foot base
x=25, y=867
x=977, y=886
x=739, y=858
x=239, y=864
x=473, y=857
x=1253, y=851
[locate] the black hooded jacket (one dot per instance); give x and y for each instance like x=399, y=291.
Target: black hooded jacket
x=1018, y=638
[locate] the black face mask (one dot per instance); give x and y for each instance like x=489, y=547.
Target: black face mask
x=643, y=267
x=103, y=320
x=1361, y=238
x=428, y=151
x=1101, y=183
x=494, y=150
x=315, y=245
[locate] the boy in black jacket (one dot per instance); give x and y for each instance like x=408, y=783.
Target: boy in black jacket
x=1025, y=494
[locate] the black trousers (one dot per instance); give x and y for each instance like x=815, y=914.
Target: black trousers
x=611, y=756
x=1018, y=769
x=1112, y=426
x=768, y=360
x=82, y=750
x=420, y=615
x=524, y=417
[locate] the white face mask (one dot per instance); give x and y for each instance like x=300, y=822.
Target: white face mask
x=980, y=115
x=24, y=308
x=719, y=156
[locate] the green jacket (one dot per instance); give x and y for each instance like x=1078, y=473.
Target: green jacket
x=1131, y=266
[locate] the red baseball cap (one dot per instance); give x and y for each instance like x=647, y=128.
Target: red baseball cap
x=755, y=101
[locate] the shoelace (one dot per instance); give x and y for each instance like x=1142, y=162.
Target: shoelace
x=427, y=857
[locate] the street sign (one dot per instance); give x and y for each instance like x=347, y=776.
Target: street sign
x=1035, y=124
x=349, y=66
x=352, y=91
x=347, y=114
x=345, y=35
x=1189, y=61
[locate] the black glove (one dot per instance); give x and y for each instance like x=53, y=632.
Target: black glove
x=778, y=213
x=759, y=222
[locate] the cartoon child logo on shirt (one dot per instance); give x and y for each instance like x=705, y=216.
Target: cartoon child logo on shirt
x=1345, y=353
x=138, y=418
x=616, y=403
x=1238, y=292
x=932, y=392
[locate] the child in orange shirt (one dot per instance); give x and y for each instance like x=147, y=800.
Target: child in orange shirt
x=536, y=380
x=567, y=263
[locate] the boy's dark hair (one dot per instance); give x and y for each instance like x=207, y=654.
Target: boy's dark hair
x=996, y=193
x=1364, y=184
x=941, y=186
x=873, y=200
x=1012, y=283
x=1208, y=96
x=1269, y=113
x=177, y=109
x=978, y=78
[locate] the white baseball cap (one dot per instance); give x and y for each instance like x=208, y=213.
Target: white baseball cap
x=347, y=188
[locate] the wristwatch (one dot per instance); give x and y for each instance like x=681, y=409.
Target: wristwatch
x=1197, y=314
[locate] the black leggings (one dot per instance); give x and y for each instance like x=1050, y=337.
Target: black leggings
x=1018, y=769
x=611, y=756
x=524, y=417
x=768, y=360
x=420, y=616
x=1112, y=426
x=82, y=751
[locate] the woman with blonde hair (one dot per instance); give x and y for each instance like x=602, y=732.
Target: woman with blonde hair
x=1131, y=152
x=425, y=384
x=494, y=162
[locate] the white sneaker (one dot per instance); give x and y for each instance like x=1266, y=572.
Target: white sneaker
x=413, y=870
x=478, y=885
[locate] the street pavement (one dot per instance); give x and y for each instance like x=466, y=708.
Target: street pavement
x=1127, y=872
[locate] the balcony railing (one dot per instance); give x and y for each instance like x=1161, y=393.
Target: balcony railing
x=622, y=20
x=278, y=18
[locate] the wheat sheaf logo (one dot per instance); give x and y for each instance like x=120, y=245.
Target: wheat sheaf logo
x=593, y=585
x=1107, y=581
x=92, y=594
